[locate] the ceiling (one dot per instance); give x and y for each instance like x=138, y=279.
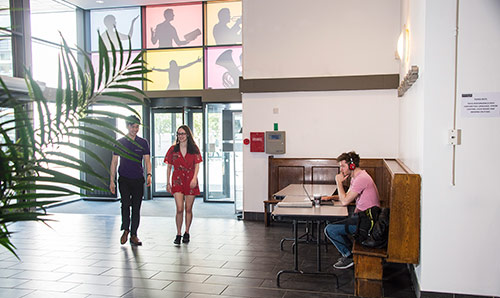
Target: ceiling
x=93, y=4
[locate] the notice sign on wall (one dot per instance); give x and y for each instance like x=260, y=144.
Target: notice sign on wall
x=481, y=104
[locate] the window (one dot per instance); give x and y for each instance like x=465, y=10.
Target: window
x=189, y=46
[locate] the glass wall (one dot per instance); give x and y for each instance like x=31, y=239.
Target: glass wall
x=224, y=158
x=48, y=18
x=189, y=46
x=5, y=40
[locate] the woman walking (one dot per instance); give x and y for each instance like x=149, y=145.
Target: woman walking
x=186, y=158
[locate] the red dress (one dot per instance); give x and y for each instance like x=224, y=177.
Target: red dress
x=183, y=171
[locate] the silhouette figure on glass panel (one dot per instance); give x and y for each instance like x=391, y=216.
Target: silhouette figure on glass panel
x=231, y=76
x=174, y=73
x=166, y=33
x=110, y=23
x=222, y=33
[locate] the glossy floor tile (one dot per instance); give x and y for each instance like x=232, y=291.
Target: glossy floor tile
x=80, y=256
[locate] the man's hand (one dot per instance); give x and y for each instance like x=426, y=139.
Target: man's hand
x=148, y=180
x=112, y=187
x=340, y=178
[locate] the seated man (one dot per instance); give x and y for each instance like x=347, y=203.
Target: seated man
x=364, y=191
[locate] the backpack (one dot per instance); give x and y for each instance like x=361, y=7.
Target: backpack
x=379, y=234
x=365, y=223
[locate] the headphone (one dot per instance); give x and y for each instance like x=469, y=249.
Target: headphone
x=352, y=165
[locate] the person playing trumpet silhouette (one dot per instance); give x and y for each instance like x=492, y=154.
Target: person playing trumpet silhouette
x=222, y=33
x=174, y=73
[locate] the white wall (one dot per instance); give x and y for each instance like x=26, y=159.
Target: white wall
x=317, y=124
x=283, y=38
x=411, y=104
x=459, y=249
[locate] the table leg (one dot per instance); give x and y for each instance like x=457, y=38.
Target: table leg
x=318, y=248
x=296, y=243
x=296, y=260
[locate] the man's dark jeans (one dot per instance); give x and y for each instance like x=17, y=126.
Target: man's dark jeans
x=131, y=191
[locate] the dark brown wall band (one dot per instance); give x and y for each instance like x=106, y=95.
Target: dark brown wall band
x=338, y=83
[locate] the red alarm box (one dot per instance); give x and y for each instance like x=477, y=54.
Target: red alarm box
x=257, y=140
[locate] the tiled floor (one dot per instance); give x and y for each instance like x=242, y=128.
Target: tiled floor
x=80, y=256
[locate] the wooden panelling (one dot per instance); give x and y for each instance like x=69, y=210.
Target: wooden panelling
x=324, y=175
x=290, y=175
x=285, y=171
x=368, y=288
x=367, y=267
x=404, y=226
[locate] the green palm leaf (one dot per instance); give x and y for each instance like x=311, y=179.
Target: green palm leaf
x=29, y=165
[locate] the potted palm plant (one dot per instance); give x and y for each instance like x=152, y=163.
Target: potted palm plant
x=29, y=175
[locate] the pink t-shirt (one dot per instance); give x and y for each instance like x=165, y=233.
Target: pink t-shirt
x=367, y=191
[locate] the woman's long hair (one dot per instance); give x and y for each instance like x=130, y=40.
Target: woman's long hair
x=191, y=145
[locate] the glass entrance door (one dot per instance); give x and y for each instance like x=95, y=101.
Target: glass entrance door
x=164, y=123
x=224, y=159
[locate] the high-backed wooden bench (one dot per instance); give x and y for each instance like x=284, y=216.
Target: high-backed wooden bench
x=400, y=191
x=285, y=171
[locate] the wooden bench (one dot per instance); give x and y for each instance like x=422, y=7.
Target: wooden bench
x=400, y=191
x=285, y=171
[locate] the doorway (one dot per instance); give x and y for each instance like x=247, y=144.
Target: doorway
x=164, y=124
x=224, y=158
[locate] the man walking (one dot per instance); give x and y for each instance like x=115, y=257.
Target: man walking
x=131, y=178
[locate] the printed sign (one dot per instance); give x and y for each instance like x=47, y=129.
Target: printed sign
x=480, y=104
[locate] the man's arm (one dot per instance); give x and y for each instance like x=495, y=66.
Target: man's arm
x=112, y=174
x=147, y=161
x=344, y=198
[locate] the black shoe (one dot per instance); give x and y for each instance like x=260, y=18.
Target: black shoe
x=185, y=238
x=344, y=263
x=177, y=240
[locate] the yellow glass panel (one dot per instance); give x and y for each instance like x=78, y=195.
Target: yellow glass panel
x=223, y=23
x=177, y=69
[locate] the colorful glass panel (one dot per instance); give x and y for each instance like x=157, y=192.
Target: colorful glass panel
x=223, y=67
x=127, y=22
x=179, y=69
x=174, y=26
x=223, y=23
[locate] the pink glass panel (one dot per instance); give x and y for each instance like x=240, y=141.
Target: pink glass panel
x=174, y=26
x=223, y=67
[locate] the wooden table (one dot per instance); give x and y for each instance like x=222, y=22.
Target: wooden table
x=294, y=190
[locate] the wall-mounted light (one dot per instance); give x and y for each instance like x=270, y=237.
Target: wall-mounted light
x=408, y=80
x=403, y=46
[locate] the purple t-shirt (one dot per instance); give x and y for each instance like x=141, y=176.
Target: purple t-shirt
x=129, y=168
x=367, y=191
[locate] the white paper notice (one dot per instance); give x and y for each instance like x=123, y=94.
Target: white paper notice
x=481, y=104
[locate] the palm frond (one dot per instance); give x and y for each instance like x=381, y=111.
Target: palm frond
x=29, y=162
